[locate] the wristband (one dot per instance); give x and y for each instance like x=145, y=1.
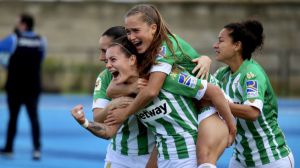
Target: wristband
x=85, y=124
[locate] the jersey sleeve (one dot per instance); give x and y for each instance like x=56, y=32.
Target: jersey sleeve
x=187, y=48
x=254, y=87
x=8, y=44
x=184, y=84
x=7, y=48
x=163, y=64
x=100, y=99
x=183, y=54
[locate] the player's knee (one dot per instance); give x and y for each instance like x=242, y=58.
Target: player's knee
x=210, y=148
x=203, y=155
x=205, y=152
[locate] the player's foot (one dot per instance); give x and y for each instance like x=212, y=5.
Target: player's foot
x=36, y=155
x=6, y=152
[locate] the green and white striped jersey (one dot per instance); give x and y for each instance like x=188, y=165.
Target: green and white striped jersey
x=133, y=138
x=261, y=141
x=126, y=139
x=183, y=56
x=173, y=118
x=181, y=60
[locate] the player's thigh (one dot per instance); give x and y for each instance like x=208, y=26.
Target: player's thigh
x=213, y=132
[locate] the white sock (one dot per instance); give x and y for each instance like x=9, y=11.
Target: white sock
x=207, y=165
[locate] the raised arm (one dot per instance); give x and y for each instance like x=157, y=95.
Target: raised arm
x=98, y=129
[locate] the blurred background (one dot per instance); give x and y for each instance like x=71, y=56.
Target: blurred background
x=73, y=27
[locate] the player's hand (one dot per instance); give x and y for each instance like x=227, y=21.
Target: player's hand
x=120, y=102
x=116, y=116
x=142, y=83
x=203, y=66
x=232, y=132
x=78, y=114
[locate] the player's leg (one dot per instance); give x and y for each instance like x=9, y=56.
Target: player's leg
x=212, y=139
x=14, y=104
x=31, y=103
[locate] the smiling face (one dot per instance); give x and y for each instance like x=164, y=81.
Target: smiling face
x=225, y=49
x=140, y=33
x=104, y=42
x=120, y=65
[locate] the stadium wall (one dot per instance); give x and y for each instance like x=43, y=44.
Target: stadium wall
x=73, y=29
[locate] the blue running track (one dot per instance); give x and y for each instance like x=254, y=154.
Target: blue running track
x=65, y=144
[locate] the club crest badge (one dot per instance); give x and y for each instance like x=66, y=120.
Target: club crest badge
x=250, y=75
x=163, y=51
x=98, y=84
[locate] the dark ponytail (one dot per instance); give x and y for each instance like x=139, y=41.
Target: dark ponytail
x=256, y=29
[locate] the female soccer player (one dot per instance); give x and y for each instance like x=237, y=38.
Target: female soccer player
x=171, y=117
x=259, y=141
x=133, y=142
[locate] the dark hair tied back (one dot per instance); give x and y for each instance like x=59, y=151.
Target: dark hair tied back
x=125, y=45
x=256, y=29
x=249, y=33
x=115, y=32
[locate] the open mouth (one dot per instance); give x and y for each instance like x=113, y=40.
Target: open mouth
x=115, y=74
x=137, y=44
